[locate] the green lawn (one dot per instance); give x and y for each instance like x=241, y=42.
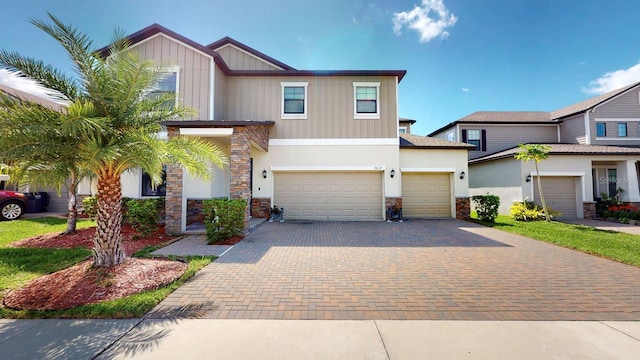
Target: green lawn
x=609, y=244
x=21, y=265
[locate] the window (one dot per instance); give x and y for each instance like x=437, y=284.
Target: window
x=167, y=84
x=294, y=100
x=601, y=129
x=402, y=129
x=451, y=136
x=147, y=185
x=366, y=105
x=473, y=138
x=622, y=129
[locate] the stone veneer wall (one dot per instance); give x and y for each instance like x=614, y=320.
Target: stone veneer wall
x=173, y=204
x=463, y=208
x=589, y=209
x=240, y=167
x=194, y=211
x=260, y=207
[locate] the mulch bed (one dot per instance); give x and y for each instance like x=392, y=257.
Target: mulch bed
x=83, y=284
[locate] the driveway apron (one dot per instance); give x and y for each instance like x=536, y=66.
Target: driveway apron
x=422, y=269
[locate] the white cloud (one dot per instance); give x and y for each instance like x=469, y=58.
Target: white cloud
x=465, y=89
x=430, y=20
x=28, y=86
x=613, y=80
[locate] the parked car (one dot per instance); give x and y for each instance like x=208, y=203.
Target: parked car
x=12, y=205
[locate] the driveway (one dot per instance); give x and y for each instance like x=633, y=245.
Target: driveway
x=423, y=269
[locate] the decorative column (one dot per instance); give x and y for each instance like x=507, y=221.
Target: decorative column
x=240, y=166
x=173, y=199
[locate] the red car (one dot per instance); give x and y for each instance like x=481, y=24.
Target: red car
x=12, y=205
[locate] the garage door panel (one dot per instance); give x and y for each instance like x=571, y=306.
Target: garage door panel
x=426, y=195
x=330, y=195
x=559, y=194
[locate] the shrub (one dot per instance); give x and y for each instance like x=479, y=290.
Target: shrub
x=224, y=218
x=144, y=214
x=90, y=205
x=526, y=211
x=486, y=206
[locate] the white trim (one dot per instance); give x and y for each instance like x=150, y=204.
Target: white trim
x=618, y=138
x=285, y=84
x=620, y=120
x=559, y=137
x=334, y=142
x=328, y=168
x=428, y=170
x=206, y=132
x=176, y=40
x=558, y=173
x=212, y=87
x=250, y=54
x=587, y=128
x=458, y=134
x=398, y=110
x=375, y=115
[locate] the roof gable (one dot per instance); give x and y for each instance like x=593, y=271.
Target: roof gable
x=591, y=103
x=227, y=41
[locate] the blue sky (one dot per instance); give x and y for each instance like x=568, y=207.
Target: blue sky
x=461, y=56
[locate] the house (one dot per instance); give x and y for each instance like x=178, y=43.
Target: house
x=325, y=145
x=595, y=150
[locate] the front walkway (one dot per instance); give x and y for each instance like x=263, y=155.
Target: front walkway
x=436, y=269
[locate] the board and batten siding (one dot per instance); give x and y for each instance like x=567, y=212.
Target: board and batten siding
x=330, y=105
x=572, y=130
x=502, y=137
x=237, y=59
x=194, y=76
x=220, y=95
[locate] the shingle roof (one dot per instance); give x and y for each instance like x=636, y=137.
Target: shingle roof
x=566, y=149
x=423, y=142
x=506, y=117
x=589, y=103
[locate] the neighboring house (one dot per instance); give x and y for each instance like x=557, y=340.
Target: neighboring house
x=322, y=144
x=58, y=202
x=595, y=149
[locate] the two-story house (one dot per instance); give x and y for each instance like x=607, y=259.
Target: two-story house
x=595, y=149
x=325, y=145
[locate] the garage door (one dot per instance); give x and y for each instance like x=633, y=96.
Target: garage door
x=329, y=195
x=426, y=195
x=559, y=194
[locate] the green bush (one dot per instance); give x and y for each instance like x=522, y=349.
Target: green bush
x=528, y=211
x=90, y=205
x=224, y=218
x=486, y=207
x=144, y=214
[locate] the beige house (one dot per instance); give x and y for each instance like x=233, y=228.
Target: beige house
x=595, y=149
x=325, y=145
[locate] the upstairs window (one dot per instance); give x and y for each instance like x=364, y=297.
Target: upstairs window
x=478, y=138
x=366, y=100
x=167, y=84
x=451, y=136
x=147, y=185
x=601, y=129
x=402, y=130
x=294, y=100
x=622, y=129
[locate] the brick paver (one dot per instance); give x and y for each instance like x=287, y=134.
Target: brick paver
x=423, y=269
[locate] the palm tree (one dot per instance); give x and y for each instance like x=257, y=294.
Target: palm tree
x=121, y=134
x=42, y=144
x=535, y=153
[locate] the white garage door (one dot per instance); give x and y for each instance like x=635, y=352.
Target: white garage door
x=329, y=195
x=559, y=194
x=426, y=195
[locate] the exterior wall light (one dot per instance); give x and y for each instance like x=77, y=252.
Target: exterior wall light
x=392, y=173
x=462, y=174
x=528, y=178
x=264, y=174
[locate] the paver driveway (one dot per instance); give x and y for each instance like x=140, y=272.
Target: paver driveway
x=429, y=269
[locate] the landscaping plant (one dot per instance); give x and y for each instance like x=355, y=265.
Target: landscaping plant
x=144, y=214
x=224, y=218
x=486, y=206
x=535, y=153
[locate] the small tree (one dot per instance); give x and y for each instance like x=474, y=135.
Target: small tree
x=535, y=153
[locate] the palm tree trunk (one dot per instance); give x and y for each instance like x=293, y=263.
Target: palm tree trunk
x=108, y=249
x=544, y=204
x=72, y=207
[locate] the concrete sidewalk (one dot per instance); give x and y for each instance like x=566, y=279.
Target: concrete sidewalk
x=316, y=339
x=605, y=225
